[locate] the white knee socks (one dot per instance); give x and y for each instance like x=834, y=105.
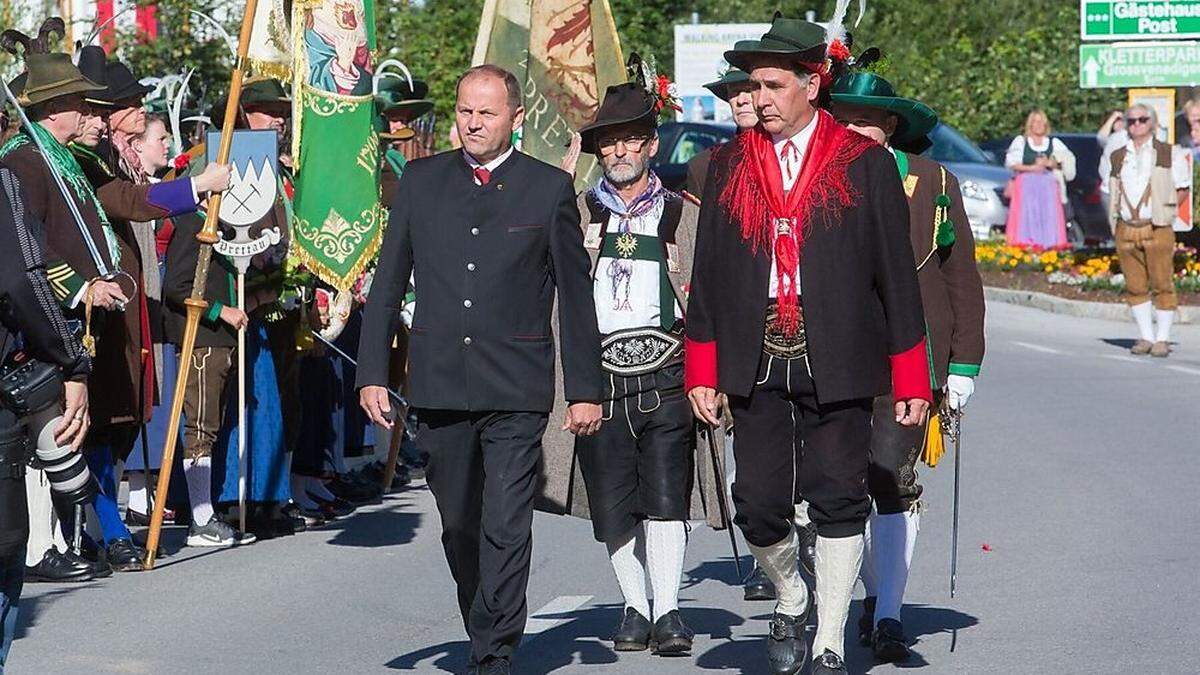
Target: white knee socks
x=838, y=562
x=198, y=474
x=138, y=496
x=1144, y=317
x=628, y=556
x=666, y=541
x=44, y=531
x=1163, y=317
x=893, y=537
x=867, y=572
x=781, y=562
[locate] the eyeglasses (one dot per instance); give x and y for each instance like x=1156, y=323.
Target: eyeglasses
x=632, y=144
x=1137, y=120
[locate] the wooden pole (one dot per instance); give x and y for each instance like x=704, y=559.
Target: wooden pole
x=196, y=303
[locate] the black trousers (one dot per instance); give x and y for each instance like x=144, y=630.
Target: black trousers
x=642, y=461
x=787, y=443
x=482, y=470
x=892, y=474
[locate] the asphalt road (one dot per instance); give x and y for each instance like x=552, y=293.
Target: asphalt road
x=1078, y=555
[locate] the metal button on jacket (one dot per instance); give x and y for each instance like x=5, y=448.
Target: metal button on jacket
x=475, y=231
x=467, y=304
x=470, y=267
x=467, y=340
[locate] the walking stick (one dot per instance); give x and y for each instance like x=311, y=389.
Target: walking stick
x=952, y=425
x=722, y=505
x=196, y=304
x=241, y=349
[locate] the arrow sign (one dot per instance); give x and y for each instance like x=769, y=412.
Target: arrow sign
x=1091, y=71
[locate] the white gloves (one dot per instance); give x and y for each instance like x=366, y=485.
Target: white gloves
x=958, y=389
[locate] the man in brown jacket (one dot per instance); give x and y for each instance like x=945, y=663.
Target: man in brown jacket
x=952, y=296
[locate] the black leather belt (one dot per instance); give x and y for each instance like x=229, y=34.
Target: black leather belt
x=783, y=345
x=639, y=351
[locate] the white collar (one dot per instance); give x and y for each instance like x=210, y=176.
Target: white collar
x=800, y=139
x=1133, y=148
x=490, y=166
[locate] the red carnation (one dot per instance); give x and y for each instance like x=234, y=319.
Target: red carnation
x=838, y=51
x=181, y=162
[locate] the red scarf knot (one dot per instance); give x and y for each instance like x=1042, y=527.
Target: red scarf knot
x=754, y=197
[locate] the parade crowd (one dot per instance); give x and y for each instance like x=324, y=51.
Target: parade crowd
x=811, y=299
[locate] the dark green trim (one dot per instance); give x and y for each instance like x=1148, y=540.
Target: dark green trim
x=964, y=369
x=901, y=163
x=213, y=315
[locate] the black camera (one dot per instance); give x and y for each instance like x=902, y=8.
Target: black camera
x=32, y=391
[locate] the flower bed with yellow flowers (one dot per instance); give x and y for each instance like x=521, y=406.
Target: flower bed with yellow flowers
x=1093, y=274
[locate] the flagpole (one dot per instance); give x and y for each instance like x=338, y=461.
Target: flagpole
x=241, y=348
x=196, y=304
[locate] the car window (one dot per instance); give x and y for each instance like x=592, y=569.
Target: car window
x=692, y=143
x=951, y=146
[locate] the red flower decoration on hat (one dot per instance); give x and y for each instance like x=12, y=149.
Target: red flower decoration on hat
x=181, y=162
x=838, y=51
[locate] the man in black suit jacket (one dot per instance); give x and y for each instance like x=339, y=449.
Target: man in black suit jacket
x=490, y=234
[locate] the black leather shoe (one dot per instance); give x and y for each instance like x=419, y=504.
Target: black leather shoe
x=496, y=665
x=100, y=569
x=829, y=664
x=671, y=636
x=866, y=622
x=55, y=568
x=123, y=556
x=808, y=549
x=758, y=586
x=333, y=508
x=633, y=635
x=786, y=648
x=355, y=492
x=291, y=513
x=889, y=643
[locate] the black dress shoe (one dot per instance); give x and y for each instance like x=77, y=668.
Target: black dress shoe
x=671, y=636
x=100, y=569
x=889, y=643
x=496, y=665
x=758, y=586
x=866, y=622
x=291, y=512
x=123, y=556
x=55, y=568
x=829, y=664
x=786, y=648
x=633, y=635
x=333, y=508
x=355, y=492
x=808, y=549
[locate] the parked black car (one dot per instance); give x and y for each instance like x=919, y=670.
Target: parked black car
x=679, y=142
x=1087, y=215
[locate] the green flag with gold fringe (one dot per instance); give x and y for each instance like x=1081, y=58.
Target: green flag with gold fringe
x=338, y=221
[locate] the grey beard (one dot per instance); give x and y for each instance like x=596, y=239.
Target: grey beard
x=625, y=175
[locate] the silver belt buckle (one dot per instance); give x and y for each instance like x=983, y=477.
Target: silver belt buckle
x=783, y=226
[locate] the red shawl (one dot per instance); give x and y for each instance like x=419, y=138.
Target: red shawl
x=754, y=197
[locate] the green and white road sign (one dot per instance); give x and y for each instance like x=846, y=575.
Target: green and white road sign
x=1139, y=19
x=1158, y=64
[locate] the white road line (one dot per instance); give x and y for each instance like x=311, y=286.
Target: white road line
x=1127, y=359
x=1184, y=369
x=550, y=615
x=1037, y=348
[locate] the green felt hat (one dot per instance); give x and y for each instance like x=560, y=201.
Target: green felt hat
x=798, y=40
x=394, y=96
x=872, y=91
x=48, y=75
x=720, y=88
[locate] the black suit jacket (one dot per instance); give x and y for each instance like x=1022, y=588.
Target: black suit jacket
x=487, y=261
x=859, y=292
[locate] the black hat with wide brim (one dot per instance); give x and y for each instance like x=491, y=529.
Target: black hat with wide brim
x=870, y=90
x=720, y=88
x=796, y=40
x=121, y=87
x=623, y=104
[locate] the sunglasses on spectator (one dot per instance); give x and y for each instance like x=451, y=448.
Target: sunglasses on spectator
x=1137, y=120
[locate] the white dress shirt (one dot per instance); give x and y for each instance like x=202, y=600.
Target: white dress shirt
x=490, y=166
x=791, y=151
x=1136, y=171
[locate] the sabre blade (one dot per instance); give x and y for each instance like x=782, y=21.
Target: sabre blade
x=956, y=437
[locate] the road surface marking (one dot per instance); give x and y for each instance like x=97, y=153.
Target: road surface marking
x=1127, y=359
x=1184, y=369
x=551, y=614
x=1037, y=348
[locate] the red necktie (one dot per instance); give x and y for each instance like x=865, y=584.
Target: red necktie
x=790, y=156
x=482, y=175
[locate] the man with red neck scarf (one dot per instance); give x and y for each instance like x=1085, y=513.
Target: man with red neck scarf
x=803, y=301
